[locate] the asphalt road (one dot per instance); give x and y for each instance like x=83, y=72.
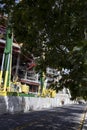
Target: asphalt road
x=62, y=118
x=85, y=122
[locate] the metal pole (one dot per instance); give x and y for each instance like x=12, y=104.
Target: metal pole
x=8, y=58
x=7, y=73
x=1, y=72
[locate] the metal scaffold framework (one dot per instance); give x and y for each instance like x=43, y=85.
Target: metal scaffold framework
x=5, y=72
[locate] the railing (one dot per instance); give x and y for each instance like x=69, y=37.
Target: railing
x=52, y=71
x=29, y=76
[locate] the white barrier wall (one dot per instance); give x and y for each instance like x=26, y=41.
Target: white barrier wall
x=13, y=104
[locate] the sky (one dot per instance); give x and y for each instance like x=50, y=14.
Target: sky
x=17, y=1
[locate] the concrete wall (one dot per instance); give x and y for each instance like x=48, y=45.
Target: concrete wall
x=13, y=104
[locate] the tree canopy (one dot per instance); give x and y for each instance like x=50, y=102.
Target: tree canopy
x=54, y=31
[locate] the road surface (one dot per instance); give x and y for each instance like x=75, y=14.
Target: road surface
x=61, y=118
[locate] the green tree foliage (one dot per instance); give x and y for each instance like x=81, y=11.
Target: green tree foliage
x=53, y=30
x=76, y=79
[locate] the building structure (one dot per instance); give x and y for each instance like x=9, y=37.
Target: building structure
x=26, y=73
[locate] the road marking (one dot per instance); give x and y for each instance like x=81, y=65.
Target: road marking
x=25, y=125
x=82, y=119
